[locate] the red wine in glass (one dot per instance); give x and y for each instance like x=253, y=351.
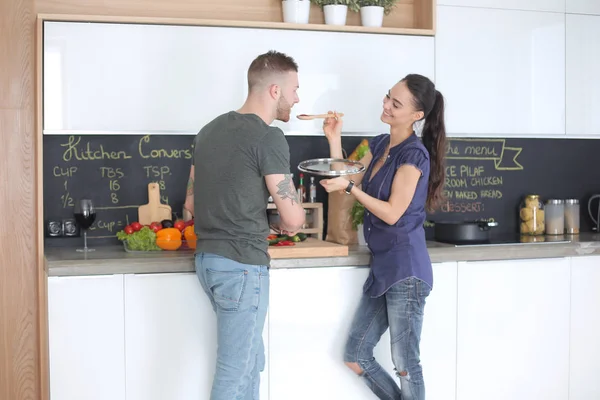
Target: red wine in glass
x=85, y=220
x=85, y=215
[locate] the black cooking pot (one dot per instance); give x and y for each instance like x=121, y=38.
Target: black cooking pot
x=463, y=231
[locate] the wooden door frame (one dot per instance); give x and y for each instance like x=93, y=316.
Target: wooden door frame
x=42, y=284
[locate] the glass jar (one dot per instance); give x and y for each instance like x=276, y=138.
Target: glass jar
x=555, y=217
x=572, y=216
x=308, y=219
x=532, y=239
x=531, y=215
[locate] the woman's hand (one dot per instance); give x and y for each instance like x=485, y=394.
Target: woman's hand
x=332, y=127
x=331, y=185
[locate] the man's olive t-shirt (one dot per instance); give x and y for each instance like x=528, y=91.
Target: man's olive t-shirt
x=232, y=155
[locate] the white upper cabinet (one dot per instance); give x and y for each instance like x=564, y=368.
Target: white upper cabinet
x=160, y=79
x=502, y=72
x=533, y=5
x=583, y=6
x=583, y=74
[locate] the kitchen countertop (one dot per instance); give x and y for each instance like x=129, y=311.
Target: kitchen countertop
x=65, y=261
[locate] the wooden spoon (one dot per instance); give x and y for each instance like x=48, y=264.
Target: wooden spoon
x=306, y=117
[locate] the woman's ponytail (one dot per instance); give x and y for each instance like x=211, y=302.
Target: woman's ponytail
x=434, y=139
x=429, y=100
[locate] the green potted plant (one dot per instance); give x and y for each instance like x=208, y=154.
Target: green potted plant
x=336, y=10
x=372, y=11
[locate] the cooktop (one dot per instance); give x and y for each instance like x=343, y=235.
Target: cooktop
x=512, y=239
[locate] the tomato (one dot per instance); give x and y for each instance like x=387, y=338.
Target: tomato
x=128, y=229
x=271, y=237
x=136, y=226
x=179, y=224
x=155, y=226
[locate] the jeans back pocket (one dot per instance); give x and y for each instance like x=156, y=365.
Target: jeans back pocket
x=227, y=287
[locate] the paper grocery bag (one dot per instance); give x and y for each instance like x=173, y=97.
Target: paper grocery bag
x=339, y=220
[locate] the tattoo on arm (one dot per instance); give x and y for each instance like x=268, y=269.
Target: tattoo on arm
x=190, y=187
x=285, y=190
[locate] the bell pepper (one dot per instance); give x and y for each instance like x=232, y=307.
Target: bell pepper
x=190, y=236
x=285, y=243
x=168, y=239
x=274, y=239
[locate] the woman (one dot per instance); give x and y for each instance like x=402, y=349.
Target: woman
x=405, y=177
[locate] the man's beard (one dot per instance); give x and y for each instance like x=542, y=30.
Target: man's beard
x=283, y=110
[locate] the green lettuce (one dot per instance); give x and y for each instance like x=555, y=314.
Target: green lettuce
x=142, y=240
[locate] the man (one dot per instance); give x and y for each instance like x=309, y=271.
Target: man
x=239, y=160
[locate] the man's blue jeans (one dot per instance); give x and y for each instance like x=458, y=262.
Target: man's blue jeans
x=239, y=294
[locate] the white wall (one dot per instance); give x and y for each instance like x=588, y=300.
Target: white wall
x=532, y=5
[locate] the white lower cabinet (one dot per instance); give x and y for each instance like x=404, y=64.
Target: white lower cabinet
x=513, y=330
x=171, y=336
x=495, y=330
x=438, y=339
x=585, y=328
x=310, y=314
x=86, y=338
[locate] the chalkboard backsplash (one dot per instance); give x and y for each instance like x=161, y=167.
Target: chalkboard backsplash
x=486, y=177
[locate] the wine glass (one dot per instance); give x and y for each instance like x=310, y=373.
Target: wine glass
x=85, y=215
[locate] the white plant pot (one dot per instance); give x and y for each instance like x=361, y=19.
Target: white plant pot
x=371, y=16
x=361, y=236
x=296, y=11
x=335, y=14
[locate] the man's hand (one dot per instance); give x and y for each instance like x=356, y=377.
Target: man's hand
x=281, y=231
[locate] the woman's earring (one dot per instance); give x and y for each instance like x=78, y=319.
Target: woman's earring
x=418, y=126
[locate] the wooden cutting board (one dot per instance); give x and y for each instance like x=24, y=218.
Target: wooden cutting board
x=153, y=211
x=310, y=248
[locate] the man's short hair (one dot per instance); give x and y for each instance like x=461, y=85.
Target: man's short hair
x=272, y=62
